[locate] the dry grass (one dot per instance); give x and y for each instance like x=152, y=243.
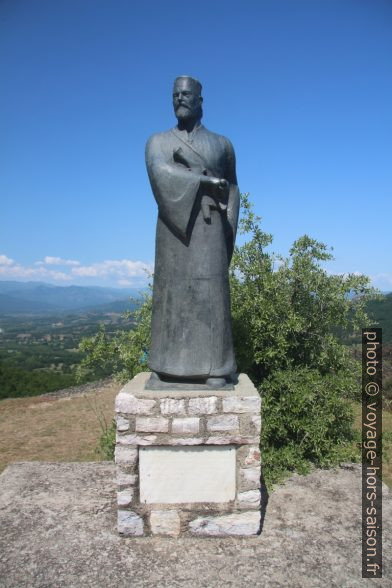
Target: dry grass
x=45, y=428
x=387, y=450
x=387, y=465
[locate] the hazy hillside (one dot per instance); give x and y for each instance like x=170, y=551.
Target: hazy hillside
x=12, y=305
x=38, y=297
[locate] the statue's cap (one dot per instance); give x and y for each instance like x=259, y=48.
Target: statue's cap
x=193, y=81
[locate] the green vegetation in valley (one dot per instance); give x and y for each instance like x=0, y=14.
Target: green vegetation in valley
x=40, y=354
x=380, y=314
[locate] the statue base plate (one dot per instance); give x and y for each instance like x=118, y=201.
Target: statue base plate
x=155, y=383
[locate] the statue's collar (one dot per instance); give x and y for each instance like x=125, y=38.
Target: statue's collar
x=184, y=135
x=187, y=143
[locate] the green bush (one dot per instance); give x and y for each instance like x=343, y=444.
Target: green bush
x=290, y=317
x=307, y=420
x=290, y=312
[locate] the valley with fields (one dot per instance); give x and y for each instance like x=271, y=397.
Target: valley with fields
x=39, y=349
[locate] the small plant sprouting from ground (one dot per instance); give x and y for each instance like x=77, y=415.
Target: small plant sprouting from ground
x=107, y=439
x=107, y=442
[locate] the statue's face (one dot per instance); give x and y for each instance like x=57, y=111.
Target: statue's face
x=186, y=99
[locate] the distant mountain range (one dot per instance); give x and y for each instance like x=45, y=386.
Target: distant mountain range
x=42, y=298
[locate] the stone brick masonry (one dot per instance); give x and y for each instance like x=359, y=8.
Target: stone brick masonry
x=178, y=418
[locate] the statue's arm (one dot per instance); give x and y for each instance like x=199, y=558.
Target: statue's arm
x=176, y=188
x=161, y=164
x=233, y=205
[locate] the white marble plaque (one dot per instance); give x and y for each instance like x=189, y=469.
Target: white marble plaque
x=170, y=475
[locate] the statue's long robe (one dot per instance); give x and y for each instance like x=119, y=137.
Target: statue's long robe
x=191, y=327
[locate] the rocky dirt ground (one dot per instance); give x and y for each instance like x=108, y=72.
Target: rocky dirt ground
x=58, y=529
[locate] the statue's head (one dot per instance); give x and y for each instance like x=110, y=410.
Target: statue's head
x=187, y=98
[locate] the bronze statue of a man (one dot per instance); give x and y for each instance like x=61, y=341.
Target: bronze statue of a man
x=193, y=178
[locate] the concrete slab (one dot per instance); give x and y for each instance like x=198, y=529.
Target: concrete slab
x=58, y=529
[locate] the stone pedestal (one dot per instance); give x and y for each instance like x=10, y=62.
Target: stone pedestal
x=188, y=462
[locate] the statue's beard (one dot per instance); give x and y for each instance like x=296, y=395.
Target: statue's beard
x=184, y=113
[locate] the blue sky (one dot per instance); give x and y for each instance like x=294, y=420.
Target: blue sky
x=302, y=88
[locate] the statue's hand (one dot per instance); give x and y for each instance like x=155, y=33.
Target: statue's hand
x=218, y=188
x=221, y=191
